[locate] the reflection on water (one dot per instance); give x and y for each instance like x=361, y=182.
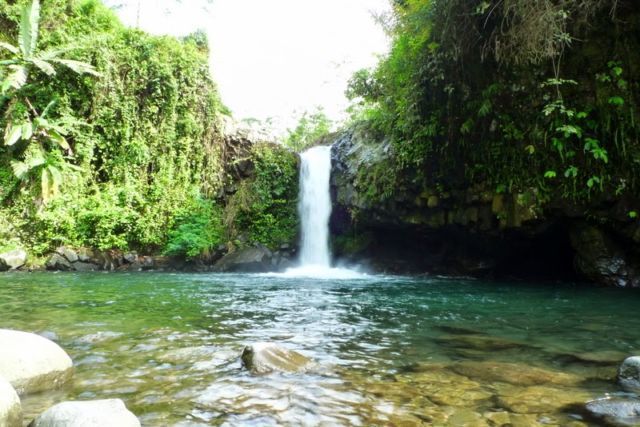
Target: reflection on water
x=390, y=351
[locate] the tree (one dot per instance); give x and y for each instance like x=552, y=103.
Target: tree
x=23, y=122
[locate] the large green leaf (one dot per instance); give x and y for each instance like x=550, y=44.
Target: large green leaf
x=11, y=48
x=43, y=66
x=20, y=170
x=29, y=28
x=12, y=134
x=16, y=78
x=78, y=66
x=26, y=130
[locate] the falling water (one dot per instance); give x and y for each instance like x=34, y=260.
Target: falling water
x=315, y=207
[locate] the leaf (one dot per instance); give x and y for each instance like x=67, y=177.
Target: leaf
x=45, y=185
x=44, y=66
x=56, y=179
x=12, y=134
x=530, y=149
x=616, y=100
x=78, y=66
x=16, y=79
x=26, y=130
x=47, y=108
x=58, y=139
x=633, y=214
x=28, y=36
x=550, y=174
x=20, y=170
x=11, y=48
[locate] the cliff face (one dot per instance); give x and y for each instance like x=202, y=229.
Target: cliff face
x=476, y=230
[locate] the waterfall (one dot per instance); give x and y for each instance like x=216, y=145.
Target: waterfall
x=314, y=207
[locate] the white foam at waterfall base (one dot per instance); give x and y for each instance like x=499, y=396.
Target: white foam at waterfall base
x=314, y=209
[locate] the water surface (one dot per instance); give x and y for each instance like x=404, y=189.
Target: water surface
x=390, y=351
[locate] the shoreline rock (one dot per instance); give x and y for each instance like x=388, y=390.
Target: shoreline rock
x=94, y=413
x=264, y=358
x=32, y=363
x=10, y=407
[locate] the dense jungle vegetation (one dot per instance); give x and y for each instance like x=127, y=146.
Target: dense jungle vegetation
x=112, y=140
x=513, y=96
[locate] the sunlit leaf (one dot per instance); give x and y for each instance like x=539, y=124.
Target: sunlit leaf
x=12, y=134
x=44, y=66
x=20, y=170
x=16, y=78
x=29, y=28
x=26, y=131
x=45, y=185
x=58, y=139
x=78, y=66
x=11, y=48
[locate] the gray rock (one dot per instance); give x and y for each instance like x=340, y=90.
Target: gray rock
x=262, y=358
x=131, y=257
x=12, y=260
x=629, y=374
x=92, y=413
x=10, y=407
x=248, y=260
x=58, y=262
x=85, y=266
x=69, y=254
x=615, y=411
x=32, y=363
x=85, y=255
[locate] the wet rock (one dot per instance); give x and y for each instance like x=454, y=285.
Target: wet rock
x=629, y=374
x=13, y=260
x=512, y=373
x=538, y=399
x=93, y=413
x=601, y=259
x=58, y=262
x=10, y=407
x=248, y=260
x=480, y=342
x=32, y=363
x=615, y=411
x=69, y=254
x=610, y=357
x=262, y=358
x=85, y=266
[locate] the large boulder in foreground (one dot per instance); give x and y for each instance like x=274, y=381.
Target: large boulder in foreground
x=93, y=413
x=262, y=358
x=32, y=363
x=13, y=260
x=10, y=407
x=629, y=374
x=247, y=260
x=615, y=411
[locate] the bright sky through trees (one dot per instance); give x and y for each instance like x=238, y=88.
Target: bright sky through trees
x=274, y=58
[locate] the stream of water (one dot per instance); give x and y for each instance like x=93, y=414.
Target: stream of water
x=390, y=350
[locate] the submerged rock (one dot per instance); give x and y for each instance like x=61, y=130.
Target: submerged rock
x=480, y=342
x=615, y=411
x=262, y=358
x=93, y=413
x=629, y=374
x=248, y=260
x=32, y=363
x=10, y=407
x=512, y=373
x=540, y=399
x=13, y=260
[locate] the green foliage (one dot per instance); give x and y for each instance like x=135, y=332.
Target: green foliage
x=198, y=230
x=310, y=128
x=265, y=207
x=508, y=94
x=109, y=161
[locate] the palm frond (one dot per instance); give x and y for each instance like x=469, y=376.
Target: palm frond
x=16, y=78
x=28, y=36
x=78, y=66
x=11, y=48
x=43, y=66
